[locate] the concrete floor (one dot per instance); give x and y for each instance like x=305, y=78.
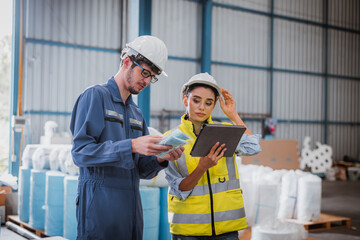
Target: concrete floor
x=340, y=198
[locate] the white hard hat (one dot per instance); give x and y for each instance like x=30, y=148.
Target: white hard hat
x=153, y=49
x=203, y=78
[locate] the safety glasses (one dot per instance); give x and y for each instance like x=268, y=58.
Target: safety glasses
x=146, y=73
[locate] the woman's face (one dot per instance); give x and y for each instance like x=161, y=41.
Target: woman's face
x=200, y=102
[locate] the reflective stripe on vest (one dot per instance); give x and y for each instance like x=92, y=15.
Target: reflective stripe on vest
x=181, y=164
x=206, y=218
x=215, y=205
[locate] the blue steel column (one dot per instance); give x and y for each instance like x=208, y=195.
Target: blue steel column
x=145, y=29
x=14, y=141
x=271, y=58
x=206, y=36
x=326, y=4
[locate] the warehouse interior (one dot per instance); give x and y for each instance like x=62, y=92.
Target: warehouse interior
x=293, y=68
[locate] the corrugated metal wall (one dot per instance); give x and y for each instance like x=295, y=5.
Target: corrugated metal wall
x=178, y=24
x=69, y=46
x=295, y=60
x=298, y=61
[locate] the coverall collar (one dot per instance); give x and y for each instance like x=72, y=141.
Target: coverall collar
x=115, y=92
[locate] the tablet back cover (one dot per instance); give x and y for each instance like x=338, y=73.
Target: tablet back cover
x=212, y=133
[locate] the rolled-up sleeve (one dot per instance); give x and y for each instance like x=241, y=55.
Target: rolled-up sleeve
x=174, y=179
x=249, y=145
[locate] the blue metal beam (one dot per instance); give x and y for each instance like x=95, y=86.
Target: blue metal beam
x=36, y=112
x=271, y=59
x=69, y=45
x=184, y=59
x=15, y=58
x=206, y=36
x=14, y=141
x=294, y=19
x=318, y=74
x=326, y=97
x=145, y=7
x=293, y=121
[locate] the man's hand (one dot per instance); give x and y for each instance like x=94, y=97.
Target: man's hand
x=146, y=145
x=173, y=155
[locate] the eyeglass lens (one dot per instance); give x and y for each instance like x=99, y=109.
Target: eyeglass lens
x=146, y=73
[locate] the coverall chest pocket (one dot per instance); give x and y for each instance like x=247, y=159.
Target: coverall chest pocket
x=136, y=131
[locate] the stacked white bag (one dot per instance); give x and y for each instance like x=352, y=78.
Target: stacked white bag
x=309, y=198
x=271, y=196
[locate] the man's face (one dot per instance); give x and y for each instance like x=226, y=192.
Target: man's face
x=135, y=81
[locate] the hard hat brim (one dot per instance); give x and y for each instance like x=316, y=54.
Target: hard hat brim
x=217, y=88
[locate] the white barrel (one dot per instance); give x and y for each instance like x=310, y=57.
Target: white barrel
x=24, y=194
x=37, y=198
x=150, y=199
x=70, y=191
x=54, y=203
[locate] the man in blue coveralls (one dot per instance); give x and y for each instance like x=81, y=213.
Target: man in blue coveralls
x=112, y=147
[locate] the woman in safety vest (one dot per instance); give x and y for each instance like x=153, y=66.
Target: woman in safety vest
x=205, y=199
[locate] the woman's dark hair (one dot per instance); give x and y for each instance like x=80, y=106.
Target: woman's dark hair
x=189, y=89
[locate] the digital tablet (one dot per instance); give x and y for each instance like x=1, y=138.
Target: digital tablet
x=213, y=133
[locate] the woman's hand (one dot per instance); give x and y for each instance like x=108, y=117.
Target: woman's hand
x=213, y=157
x=228, y=105
x=205, y=163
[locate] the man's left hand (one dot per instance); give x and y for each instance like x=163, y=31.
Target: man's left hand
x=173, y=155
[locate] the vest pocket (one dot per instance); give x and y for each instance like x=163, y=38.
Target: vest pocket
x=235, y=198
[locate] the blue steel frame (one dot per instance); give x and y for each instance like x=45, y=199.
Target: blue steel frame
x=145, y=7
x=206, y=56
x=206, y=62
x=14, y=138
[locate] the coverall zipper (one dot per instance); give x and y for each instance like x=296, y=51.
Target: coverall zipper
x=211, y=203
x=126, y=121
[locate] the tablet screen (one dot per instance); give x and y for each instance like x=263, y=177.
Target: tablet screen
x=213, y=133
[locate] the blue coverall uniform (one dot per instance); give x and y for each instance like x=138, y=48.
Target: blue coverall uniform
x=108, y=200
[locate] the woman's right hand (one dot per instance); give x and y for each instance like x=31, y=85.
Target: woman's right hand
x=213, y=157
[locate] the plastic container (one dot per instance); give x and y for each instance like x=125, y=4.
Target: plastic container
x=54, y=203
x=150, y=199
x=24, y=194
x=164, y=223
x=37, y=198
x=70, y=191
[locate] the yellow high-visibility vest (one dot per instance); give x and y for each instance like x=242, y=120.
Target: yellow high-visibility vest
x=215, y=205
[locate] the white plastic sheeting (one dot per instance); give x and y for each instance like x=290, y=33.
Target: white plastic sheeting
x=278, y=230
x=288, y=195
x=270, y=194
x=309, y=198
x=27, y=157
